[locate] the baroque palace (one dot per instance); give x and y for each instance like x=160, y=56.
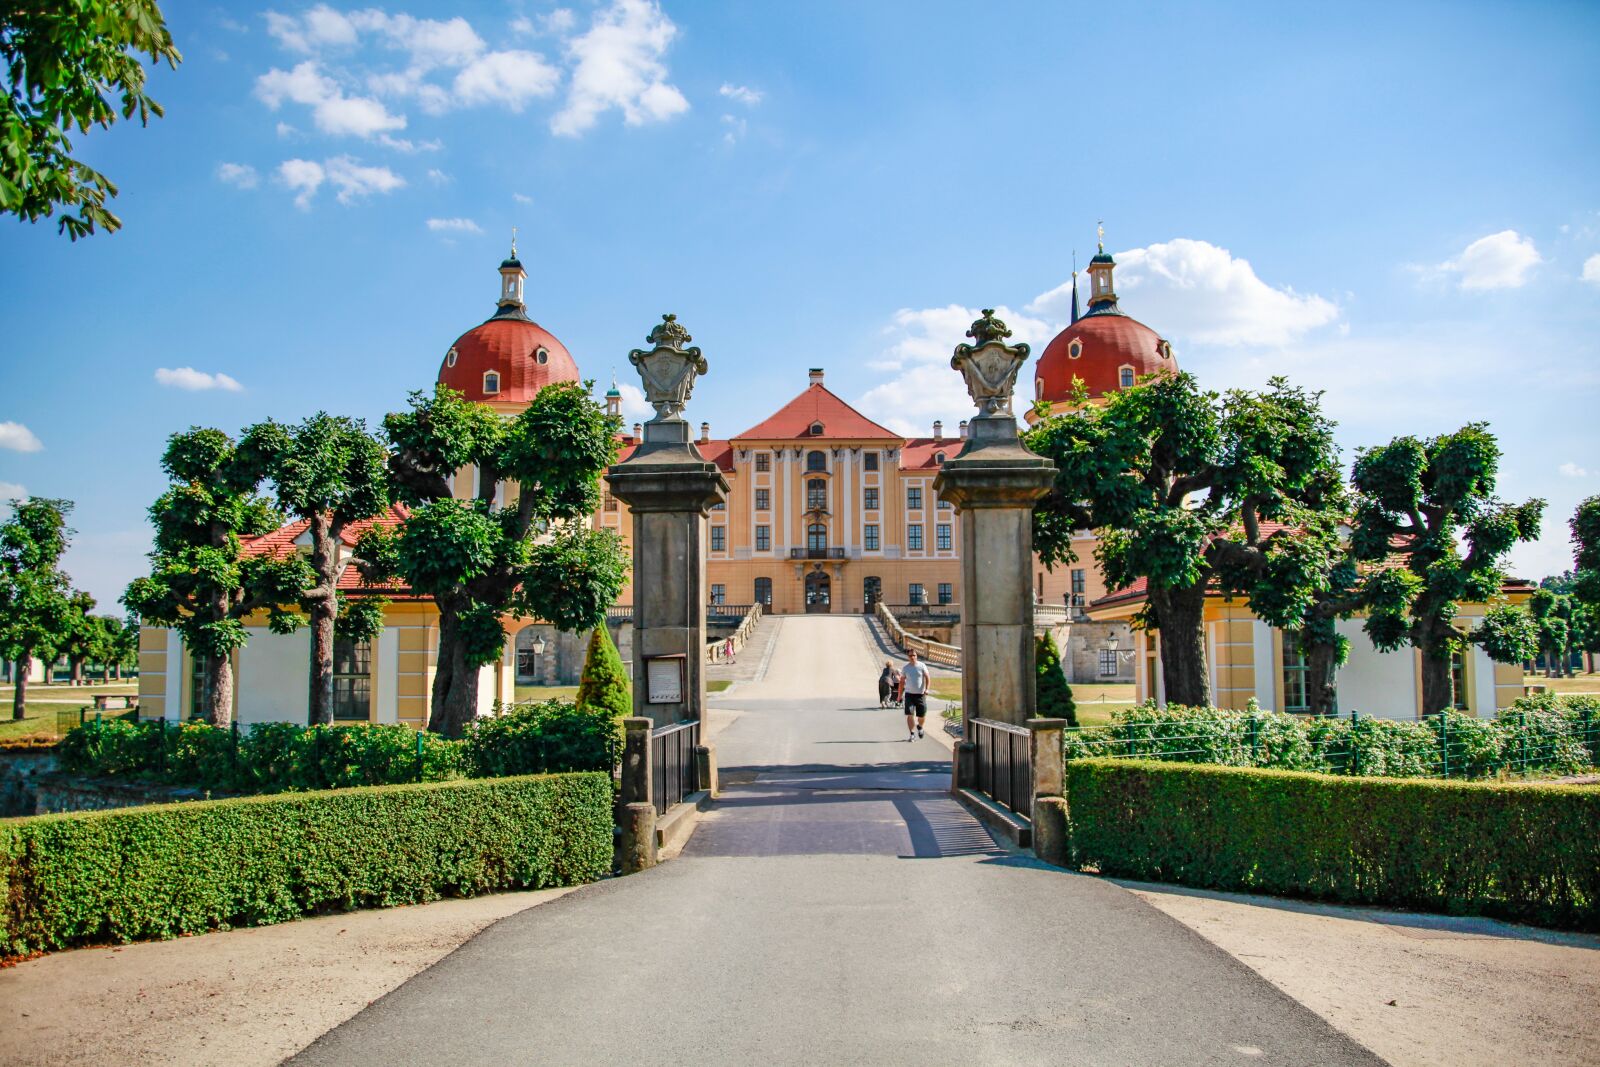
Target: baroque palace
x=827, y=512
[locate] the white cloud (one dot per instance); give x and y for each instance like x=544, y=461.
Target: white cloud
x=320, y=27
x=560, y=21
x=195, y=381
x=403, y=144
x=454, y=226
x=635, y=408
x=15, y=437
x=735, y=128
x=12, y=491
x=240, y=174
x=507, y=78
x=923, y=386
x=286, y=130
x=438, y=177
x=742, y=93
x=1591, y=269
x=1194, y=291
x=1572, y=470
x=430, y=43
x=519, y=198
x=304, y=176
x=333, y=112
x=1499, y=261
x=617, y=64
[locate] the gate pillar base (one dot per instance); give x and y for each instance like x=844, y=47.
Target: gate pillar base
x=705, y=758
x=637, y=845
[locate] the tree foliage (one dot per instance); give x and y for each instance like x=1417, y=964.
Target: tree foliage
x=1585, y=527
x=605, y=686
x=70, y=66
x=520, y=545
x=331, y=473
x=1190, y=491
x=35, y=610
x=1418, y=504
x=201, y=584
x=1052, y=694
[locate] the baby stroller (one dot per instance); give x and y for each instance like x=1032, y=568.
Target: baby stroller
x=889, y=683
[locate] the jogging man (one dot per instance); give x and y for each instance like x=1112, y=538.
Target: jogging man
x=916, y=683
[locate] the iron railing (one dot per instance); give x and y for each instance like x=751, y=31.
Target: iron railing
x=675, y=773
x=818, y=553
x=1004, y=766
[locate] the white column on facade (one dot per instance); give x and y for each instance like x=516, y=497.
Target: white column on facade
x=847, y=492
x=386, y=686
x=172, y=703
x=780, y=539
x=1483, y=702
x=1266, y=683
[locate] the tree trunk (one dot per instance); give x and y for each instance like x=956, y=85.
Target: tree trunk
x=1180, y=619
x=75, y=669
x=324, y=612
x=219, y=691
x=455, y=685
x=1322, y=666
x=19, y=698
x=1436, y=695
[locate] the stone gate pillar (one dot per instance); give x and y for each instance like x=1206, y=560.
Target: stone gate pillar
x=669, y=487
x=993, y=483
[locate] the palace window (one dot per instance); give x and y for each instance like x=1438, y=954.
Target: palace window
x=914, y=537
x=541, y=356
x=721, y=505
x=198, y=678
x=914, y=498
x=352, y=680
x=1459, y=693
x=816, y=494
x=816, y=461
x=719, y=538
x=869, y=537
x=1296, y=676
x=450, y=358
x=719, y=593
x=1108, y=663
x=942, y=535
x=1078, y=581
x=945, y=505
x=610, y=502
x=763, y=538
x=816, y=429
x=938, y=457
x=869, y=462
x=763, y=461
x=1125, y=377
x=946, y=592
x=915, y=594
x=764, y=591
x=869, y=498
x=816, y=537
x=491, y=382
x=763, y=499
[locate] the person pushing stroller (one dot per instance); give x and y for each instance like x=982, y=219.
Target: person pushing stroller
x=889, y=683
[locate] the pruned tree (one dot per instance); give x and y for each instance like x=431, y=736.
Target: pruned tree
x=519, y=546
x=1194, y=491
x=71, y=65
x=84, y=638
x=604, y=687
x=35, y=613
x=1052, y=694
x=201, y=583
x=1552, y=614
x=1418, y=504
x=330, y=472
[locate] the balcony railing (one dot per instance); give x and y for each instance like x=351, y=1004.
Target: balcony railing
x=817, y=553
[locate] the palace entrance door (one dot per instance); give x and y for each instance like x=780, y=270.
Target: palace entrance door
x=818, y=591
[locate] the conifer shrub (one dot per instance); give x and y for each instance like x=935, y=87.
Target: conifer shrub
x=1523, y=852
x=1052, y=694
x=175, y=869
x=605, y=686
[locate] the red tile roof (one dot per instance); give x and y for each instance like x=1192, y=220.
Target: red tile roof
x=282, y=541
x=920, y=453
x=718, y=452
x=816, y=404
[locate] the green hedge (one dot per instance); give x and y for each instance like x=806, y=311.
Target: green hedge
x=169, y=870
x=542, y=738
x=1524, y=852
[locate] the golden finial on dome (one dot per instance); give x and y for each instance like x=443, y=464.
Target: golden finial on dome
x=513, y=242
x=1100, y=233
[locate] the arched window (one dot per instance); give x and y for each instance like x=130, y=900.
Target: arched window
x=1125, y=377
x=817, y=537
x=816, y=461
x=450, y=358
x=491, y=382
x=816, y=494
x=764, y=592
x=1038, y=388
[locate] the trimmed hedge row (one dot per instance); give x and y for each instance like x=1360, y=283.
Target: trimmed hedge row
x=168, y=870
x=543, y=738
x=1524, y=852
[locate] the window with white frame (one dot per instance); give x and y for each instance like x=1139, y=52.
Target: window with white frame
x=914, y=498
x=942, y=535
x=763, y=538
x=816, y=461
x=763, y=461
x=869, y=537
x=869, y=498
x=914, y=537
x=916, y=594
x=491, y=382
x=1296, y=676
x=719, y=593
x=1125, y=377
x=719, y=538
x=947, y=592
x=1108, y=663
x=816, y=494
x=869, y=461
x=763, y=499
x=352, y=680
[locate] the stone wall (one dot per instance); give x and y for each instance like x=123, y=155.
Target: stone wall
x=32, y=783
x=1081, y=644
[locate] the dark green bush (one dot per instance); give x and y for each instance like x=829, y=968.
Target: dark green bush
x=176, y=869
x=547, y=736
x=1524, y=852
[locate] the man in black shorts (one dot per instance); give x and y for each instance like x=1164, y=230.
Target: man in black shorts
x=916, y=682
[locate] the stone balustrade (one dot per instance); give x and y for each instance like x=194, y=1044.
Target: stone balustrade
x=717, y=651
x=931, y=651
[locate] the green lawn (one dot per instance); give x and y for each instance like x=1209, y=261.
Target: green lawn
x=41, y=719
x=546, y=692
x=72, y=692
x=718, y=686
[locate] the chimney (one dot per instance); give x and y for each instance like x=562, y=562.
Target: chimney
x=637, y=428
x=963, y=428
x=705, y=432
x=938, y=430
x=815, y=376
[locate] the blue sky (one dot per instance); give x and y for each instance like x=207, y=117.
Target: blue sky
x=1398, y=204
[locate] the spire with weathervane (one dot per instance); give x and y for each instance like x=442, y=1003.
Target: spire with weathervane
x=1074, y=285
x=512, y=281
x=1102, y=297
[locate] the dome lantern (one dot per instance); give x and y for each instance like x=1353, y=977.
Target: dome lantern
x=1102, y=295
x=512, y=281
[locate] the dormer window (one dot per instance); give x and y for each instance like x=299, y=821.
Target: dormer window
x=541, y=356
x=491, y=382
x=1038, y=388
x=938, y=457
x=1075, y=348
x=1125, y=377
x=450, y=358
x=816, y=429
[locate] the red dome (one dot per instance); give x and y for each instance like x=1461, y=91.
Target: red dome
x=1105, y=343
x=523, y=353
